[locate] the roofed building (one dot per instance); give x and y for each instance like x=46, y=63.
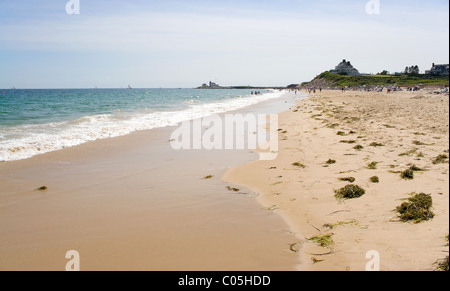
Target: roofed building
x=438, y=70
x=345, y=68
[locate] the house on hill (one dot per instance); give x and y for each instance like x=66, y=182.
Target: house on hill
x=345, y=68
x=438, y=70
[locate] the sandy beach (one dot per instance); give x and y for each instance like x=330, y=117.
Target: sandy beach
x=195, y=137
x=317, y=148
x=134, y=203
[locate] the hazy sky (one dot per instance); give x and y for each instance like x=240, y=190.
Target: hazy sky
x=148, y=44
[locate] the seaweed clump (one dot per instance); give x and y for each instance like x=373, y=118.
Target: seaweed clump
x=443, y=265
x=408, y=174
x=417, y=208
x=348, y=141
x=323, y=241
x=441, y=159
x=298, y=164
x=359, y=147
x=348, y=179
x=233, y=189
x=350, y=192
x=375, y=179
x=372, y=166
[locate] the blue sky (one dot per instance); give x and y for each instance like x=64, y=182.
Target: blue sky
x=147, y=44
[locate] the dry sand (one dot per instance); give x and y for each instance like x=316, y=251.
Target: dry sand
x=413, y=128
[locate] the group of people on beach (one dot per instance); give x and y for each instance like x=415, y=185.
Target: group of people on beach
x=256, y=93
x=374, y=88
x=309, y=90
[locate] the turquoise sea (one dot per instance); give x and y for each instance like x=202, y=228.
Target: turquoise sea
x=38, y=121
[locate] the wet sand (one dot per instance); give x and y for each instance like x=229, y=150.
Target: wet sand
x=133, y=203
x=412, y=128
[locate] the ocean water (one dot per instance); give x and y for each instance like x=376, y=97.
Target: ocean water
x=38, y=121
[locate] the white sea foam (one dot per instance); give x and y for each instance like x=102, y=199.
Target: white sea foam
x=22, y=142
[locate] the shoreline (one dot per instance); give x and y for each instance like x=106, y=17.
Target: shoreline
x=133, y=203
x=23, y=141
x=326, y=127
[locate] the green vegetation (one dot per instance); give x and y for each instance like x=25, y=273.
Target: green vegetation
x=334, y=125
x=43, y=188
x=441, y=159
x=443, y=265
x=331, y=226
x=372, y=166
x=233, y=189
x=376, y=144
x=359, y=147
x=298, y=164
x=382, y=80
x=407, y=174
x=330, y=162
x=294, y=247
x=316, y=261
x=375, y=179
x=208, y=177
x=348, y=179
x=408, y=153
x=415, y=168
x=350, y=192
x=419, y=143
x=323, y=241
x=348, y=141
x=417, y=208
x=271, y=208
